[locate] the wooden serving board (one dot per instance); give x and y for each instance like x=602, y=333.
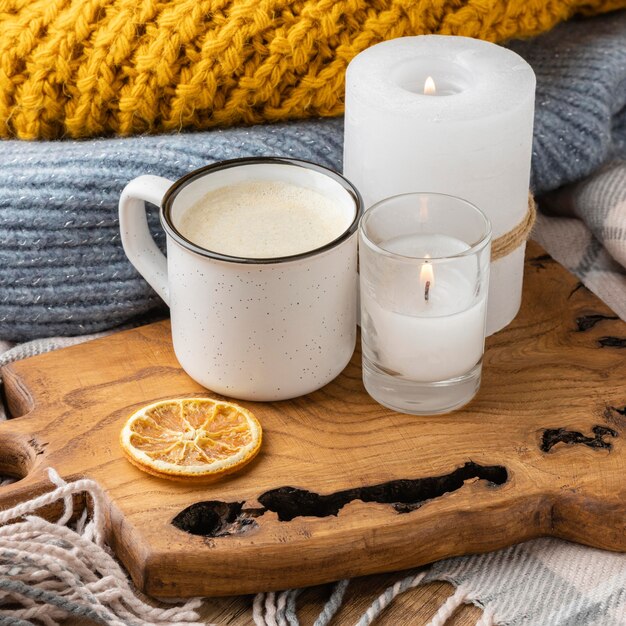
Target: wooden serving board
x=342, y=486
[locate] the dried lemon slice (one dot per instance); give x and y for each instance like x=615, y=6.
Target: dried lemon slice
x=191, y=438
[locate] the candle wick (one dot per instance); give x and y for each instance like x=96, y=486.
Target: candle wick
x=427, y=291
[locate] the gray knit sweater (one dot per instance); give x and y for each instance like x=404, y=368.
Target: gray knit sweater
x=63, y=268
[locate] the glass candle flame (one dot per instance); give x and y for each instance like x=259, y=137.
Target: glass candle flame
x=427, y=278
x=430, y=89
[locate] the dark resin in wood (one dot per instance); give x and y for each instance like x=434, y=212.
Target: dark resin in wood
x=552, y=436
x=219, y=519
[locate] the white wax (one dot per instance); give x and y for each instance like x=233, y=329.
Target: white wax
x=474, y=142
x=423, y=340
x=427, y=349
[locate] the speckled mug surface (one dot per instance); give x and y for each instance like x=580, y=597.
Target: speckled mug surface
x=253, y=329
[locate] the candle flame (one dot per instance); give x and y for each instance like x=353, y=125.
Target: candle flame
x=430, y=89
x=427, y=278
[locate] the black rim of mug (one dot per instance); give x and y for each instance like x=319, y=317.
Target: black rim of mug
x=181, y=183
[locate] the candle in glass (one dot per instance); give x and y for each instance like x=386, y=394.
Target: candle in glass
x=452, y=115
x=424, y=262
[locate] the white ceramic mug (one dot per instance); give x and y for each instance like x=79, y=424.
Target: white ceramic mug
x=254, y=329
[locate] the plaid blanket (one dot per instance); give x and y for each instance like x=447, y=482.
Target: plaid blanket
x=584, y=228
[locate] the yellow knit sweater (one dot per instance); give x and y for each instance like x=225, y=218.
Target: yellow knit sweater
x=81, y=68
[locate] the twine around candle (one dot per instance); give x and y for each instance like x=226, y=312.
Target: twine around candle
x=514, y=238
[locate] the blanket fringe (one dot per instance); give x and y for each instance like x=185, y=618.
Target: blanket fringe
x=279, y=609
x=49, y=571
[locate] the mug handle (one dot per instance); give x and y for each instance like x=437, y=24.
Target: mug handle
x=137, y=241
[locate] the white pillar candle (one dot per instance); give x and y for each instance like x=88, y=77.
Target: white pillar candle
x=469, y=135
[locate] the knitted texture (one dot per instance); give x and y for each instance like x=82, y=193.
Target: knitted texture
x=64, y=271
x=81, y=68
x=580, y=99
x=63, y=268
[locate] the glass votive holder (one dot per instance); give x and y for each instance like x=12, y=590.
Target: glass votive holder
x=424, y=271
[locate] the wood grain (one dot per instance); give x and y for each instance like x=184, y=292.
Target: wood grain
x=559, y=368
